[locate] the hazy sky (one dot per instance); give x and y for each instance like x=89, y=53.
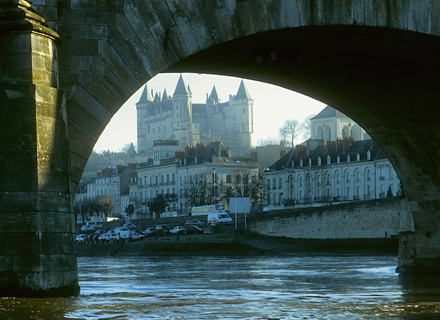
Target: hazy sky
x=272, y=106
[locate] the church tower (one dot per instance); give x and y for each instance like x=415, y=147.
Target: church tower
x=182, y=114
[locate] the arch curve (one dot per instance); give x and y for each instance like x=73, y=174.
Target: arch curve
x=376, y=63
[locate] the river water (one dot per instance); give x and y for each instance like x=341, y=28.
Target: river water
x=296, y=287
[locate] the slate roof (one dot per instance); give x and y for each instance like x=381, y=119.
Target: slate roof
x=181, y=88
x=341, y=148
x=242, y=92
x=328, y=112
x=145, y=97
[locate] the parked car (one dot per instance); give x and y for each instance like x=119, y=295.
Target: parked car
x=136, y=236
x=129, y=225
x=122, y=232
x=194, y=222
x=102, y=237
x=151, y=231
x=193, y=229
x=87, y=228
x=178, y=230
x=81, y=237
x=111, y=235
x=163, y=229
x=96, y=235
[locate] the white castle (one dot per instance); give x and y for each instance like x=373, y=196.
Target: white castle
x=178, y=118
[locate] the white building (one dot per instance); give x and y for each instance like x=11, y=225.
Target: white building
x=331, y=169
x=178, y=118
x=173, y=174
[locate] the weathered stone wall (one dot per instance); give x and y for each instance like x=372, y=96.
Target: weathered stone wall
x=366, y=220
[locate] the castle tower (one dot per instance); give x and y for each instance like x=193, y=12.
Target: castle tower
x=243, y=109
x=141, y=112
x=182, y=114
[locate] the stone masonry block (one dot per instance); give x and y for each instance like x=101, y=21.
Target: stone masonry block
x=203, y=38
x=156, y=54
x=95, y=109
x=100, y=92
x=124, y=51
x=163, y=41
x=80, y=131
x=179, y=45
x=186, y=36
x=124, y=27
x=100, y=18
x=137, y=21
x=48, y=280
x=18, y=201
x=117, y=65
x=143, y=55
x=37, y=243
x=31, y=222
x=307, y=14
x=86, y=5
x=259, y=15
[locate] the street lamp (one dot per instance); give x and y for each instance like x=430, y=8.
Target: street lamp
x=215, y=198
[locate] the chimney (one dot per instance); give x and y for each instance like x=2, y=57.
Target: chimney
x=180, y=154
x=199, y=147
x=98, y=173
x=215, y=145
x=254, y=156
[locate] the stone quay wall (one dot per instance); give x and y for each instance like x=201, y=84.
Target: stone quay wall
x=376, y=219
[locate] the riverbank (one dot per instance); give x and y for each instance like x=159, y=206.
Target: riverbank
x=236, y=245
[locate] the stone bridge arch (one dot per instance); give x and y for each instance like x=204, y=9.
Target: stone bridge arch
x=376, y=61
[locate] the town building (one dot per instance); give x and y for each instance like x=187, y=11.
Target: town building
x=176, y=117
x=186, y=178
x=197, y=175
x=323, y=171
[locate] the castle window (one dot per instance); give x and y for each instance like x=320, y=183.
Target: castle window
x=244, y=110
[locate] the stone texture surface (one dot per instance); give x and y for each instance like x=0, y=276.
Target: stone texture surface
x=376, y=61
x=364, y=221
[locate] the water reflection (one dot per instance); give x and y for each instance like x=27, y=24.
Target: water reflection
x=344, y=287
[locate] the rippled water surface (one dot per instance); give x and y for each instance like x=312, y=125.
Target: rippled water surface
x=329, y=287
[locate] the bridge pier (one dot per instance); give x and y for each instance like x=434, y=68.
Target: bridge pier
x=37, y=250
x=419, y=247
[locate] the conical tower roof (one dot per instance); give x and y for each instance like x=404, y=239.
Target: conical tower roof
x=214, y=95
x=145, y=97
x=165, y=95
x=242, y=92
x=181, y=88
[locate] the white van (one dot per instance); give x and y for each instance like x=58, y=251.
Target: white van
x=216, y=218
x=122, y=232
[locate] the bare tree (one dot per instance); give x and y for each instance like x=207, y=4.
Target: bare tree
x=246, y=184
x=268, y=141
x=289, y=129
x=195, y=191
x=107, y=204
x=305, y=127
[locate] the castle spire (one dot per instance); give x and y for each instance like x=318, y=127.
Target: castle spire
x=181, y=88
x=146, y=96
x=242, y=92
x=165, y=95
x=214, y=95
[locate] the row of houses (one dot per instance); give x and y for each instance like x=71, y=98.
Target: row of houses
x=194, y=176
x=320, y=172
